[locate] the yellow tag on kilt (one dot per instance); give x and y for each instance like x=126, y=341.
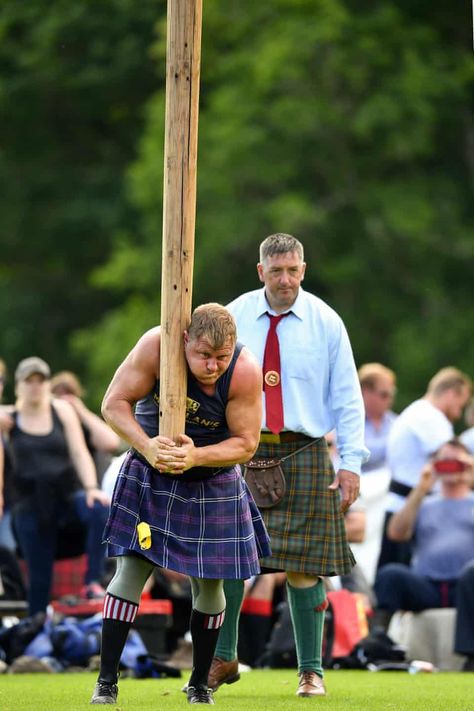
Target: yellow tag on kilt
x=144, y=536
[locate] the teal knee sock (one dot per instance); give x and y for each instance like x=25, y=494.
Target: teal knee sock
x=228, y=636
x=308, y=624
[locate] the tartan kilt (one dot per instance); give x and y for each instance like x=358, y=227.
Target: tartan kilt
x=206, y=529
x=306, y=529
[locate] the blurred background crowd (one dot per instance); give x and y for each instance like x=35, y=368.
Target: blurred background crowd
x=411, y=530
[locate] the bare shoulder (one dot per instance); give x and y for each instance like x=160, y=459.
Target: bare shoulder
x=137, y=373
x=146, y=351
x=247, y=372
x=149, y=342
x=63, y=409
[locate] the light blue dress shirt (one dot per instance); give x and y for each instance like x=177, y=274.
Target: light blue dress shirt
x=376, y=441
x=320, y=387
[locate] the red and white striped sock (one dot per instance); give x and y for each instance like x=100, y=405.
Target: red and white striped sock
x=116, y=608
x=204, y=633
x=117, y=617
x=213, y=622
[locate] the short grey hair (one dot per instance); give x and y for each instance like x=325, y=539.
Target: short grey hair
x=280, y=243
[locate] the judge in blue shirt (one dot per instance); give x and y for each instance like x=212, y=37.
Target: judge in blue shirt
x=314, y=388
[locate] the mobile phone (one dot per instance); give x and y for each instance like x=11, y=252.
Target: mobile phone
x=449, y=466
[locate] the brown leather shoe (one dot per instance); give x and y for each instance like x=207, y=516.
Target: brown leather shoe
x=310, y=685
x=222, y=672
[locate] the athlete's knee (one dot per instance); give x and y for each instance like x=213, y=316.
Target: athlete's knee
x=302, y=580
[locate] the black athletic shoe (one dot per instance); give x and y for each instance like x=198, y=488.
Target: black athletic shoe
x=199, y=695
x=105, y=693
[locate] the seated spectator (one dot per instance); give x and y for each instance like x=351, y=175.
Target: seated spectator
x=49, y=450
x=416, y=434
x=442, y=569
x=101, y=440
x=258, y=615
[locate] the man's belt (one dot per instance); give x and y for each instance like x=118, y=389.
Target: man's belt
x=396, y=487
x=285, y=436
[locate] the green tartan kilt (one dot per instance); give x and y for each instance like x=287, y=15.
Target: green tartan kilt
x=306, y=529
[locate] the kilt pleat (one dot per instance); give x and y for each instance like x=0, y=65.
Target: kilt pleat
x=306, y=528
x=207, y=529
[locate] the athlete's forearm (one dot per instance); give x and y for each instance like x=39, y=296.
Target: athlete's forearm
x=119, y=416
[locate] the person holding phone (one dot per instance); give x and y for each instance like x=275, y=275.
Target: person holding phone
x=441, y=573
x=419, y=430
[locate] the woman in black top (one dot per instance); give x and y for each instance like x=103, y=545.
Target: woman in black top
x=101, y=440
x=51, y=461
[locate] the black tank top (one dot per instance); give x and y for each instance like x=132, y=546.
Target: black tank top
x=205, y=415
x=43, y=471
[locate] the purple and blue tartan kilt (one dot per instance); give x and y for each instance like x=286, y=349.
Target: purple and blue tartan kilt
x=206, y=529
x=306, y=529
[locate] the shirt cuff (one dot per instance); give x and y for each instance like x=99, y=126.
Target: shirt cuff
x=351, y=464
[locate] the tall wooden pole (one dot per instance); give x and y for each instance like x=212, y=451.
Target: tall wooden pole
x=183, y=59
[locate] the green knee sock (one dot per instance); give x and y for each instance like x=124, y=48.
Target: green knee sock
x=308, y=624
x=227, y=643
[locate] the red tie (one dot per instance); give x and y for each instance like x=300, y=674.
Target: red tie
x=271, y=377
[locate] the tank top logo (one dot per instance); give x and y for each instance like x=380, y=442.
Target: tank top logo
x=192, y=418
x=192, y=406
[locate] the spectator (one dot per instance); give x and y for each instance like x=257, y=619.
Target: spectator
x=442, y=569
x=378, y=385
x=48, y=450
x=262, y=595
x=311, y=386
x=7, y=539
x=101, y=440
x=416, y=434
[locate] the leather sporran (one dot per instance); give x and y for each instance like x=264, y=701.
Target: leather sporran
x=266, y=481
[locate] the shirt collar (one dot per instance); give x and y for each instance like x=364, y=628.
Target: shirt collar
x=297, y=309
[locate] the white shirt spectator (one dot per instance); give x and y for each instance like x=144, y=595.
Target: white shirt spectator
x=416, y=434
x=467, y=438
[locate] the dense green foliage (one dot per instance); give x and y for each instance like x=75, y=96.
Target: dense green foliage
x=347, y=124
x=73, y=81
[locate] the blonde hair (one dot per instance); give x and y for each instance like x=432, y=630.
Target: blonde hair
x=448, y=379
x=369, y=374
x=214, y=322
x=3, y=367
x=67, y=380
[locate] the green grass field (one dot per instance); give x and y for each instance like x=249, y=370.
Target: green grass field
x=257, y=691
